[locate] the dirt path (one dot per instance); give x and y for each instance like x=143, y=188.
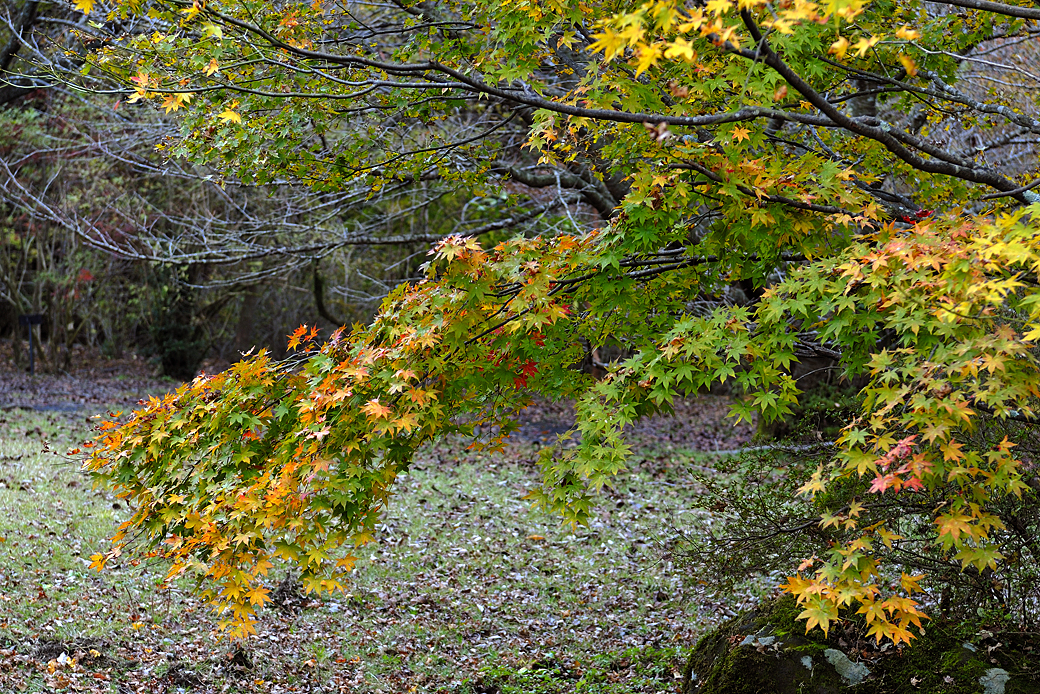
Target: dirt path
x=91, y=383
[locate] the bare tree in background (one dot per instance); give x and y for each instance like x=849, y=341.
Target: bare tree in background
x=86, y=172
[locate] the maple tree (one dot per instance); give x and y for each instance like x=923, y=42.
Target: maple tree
x=833, y=158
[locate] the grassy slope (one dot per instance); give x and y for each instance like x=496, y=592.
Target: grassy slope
x=466, y=590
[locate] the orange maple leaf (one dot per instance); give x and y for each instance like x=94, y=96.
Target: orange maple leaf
x=375, y=410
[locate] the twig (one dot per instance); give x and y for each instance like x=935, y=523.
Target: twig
x=1009, y=193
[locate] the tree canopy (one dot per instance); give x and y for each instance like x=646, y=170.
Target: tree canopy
x=862, y=171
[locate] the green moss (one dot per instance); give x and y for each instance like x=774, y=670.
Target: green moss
x=937, y=662
x=720, y=666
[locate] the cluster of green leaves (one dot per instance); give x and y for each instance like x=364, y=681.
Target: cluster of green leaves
x=954, y=310
x=683, y=106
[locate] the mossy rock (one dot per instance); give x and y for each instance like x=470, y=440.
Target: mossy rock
x=766, y=651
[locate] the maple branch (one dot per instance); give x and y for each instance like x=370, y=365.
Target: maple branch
x=519, y=95
x=1013, y=415
x=946, y=92
x=746, y=541
x=568, y=285
x=812, y=350
x=598, y=196
x=779, y=199
x=879, y=134
x=994, y=7
x=1016, y=191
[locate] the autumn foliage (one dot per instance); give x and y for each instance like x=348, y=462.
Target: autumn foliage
x=738, y=136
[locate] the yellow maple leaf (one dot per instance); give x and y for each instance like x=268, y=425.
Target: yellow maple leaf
x=212, y=67
x=648, y=57
x=258, y=595
x=718, y=7
x=864, y=45
x=362, y=538
x=848, y=9
x=84, y=6
x=819, y=611
x=797, y=586
x=909, y=583
x=839, y=47
x=953, y=525
x=815, y=484
x=609, y=42
x=243, y=626
x=262, y=566
x=873, y=610
x=231, y=590
x=195, y=8
x=406, y=422
x=230, y=116
x=211, y=29
x=740, y=133
x=681, y=48
x=911, y=69
x=888, y=536
x=172, y=102
x=907, y=34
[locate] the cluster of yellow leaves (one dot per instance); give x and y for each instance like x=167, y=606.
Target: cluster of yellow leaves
x=663, y=29
x=191, y=12
x=855, y=583
x=841, y=46
x=172, y=102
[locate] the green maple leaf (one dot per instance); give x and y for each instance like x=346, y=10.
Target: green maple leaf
x=819, y=612
x=979, y=557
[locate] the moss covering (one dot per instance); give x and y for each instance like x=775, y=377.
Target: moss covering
x=646, y=669
x=767, y=650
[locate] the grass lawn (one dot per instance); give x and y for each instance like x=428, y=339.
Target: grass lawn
x=466, y=590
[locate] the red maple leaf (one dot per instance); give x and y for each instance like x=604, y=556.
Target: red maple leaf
x=914, y=483
x=530, y=368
